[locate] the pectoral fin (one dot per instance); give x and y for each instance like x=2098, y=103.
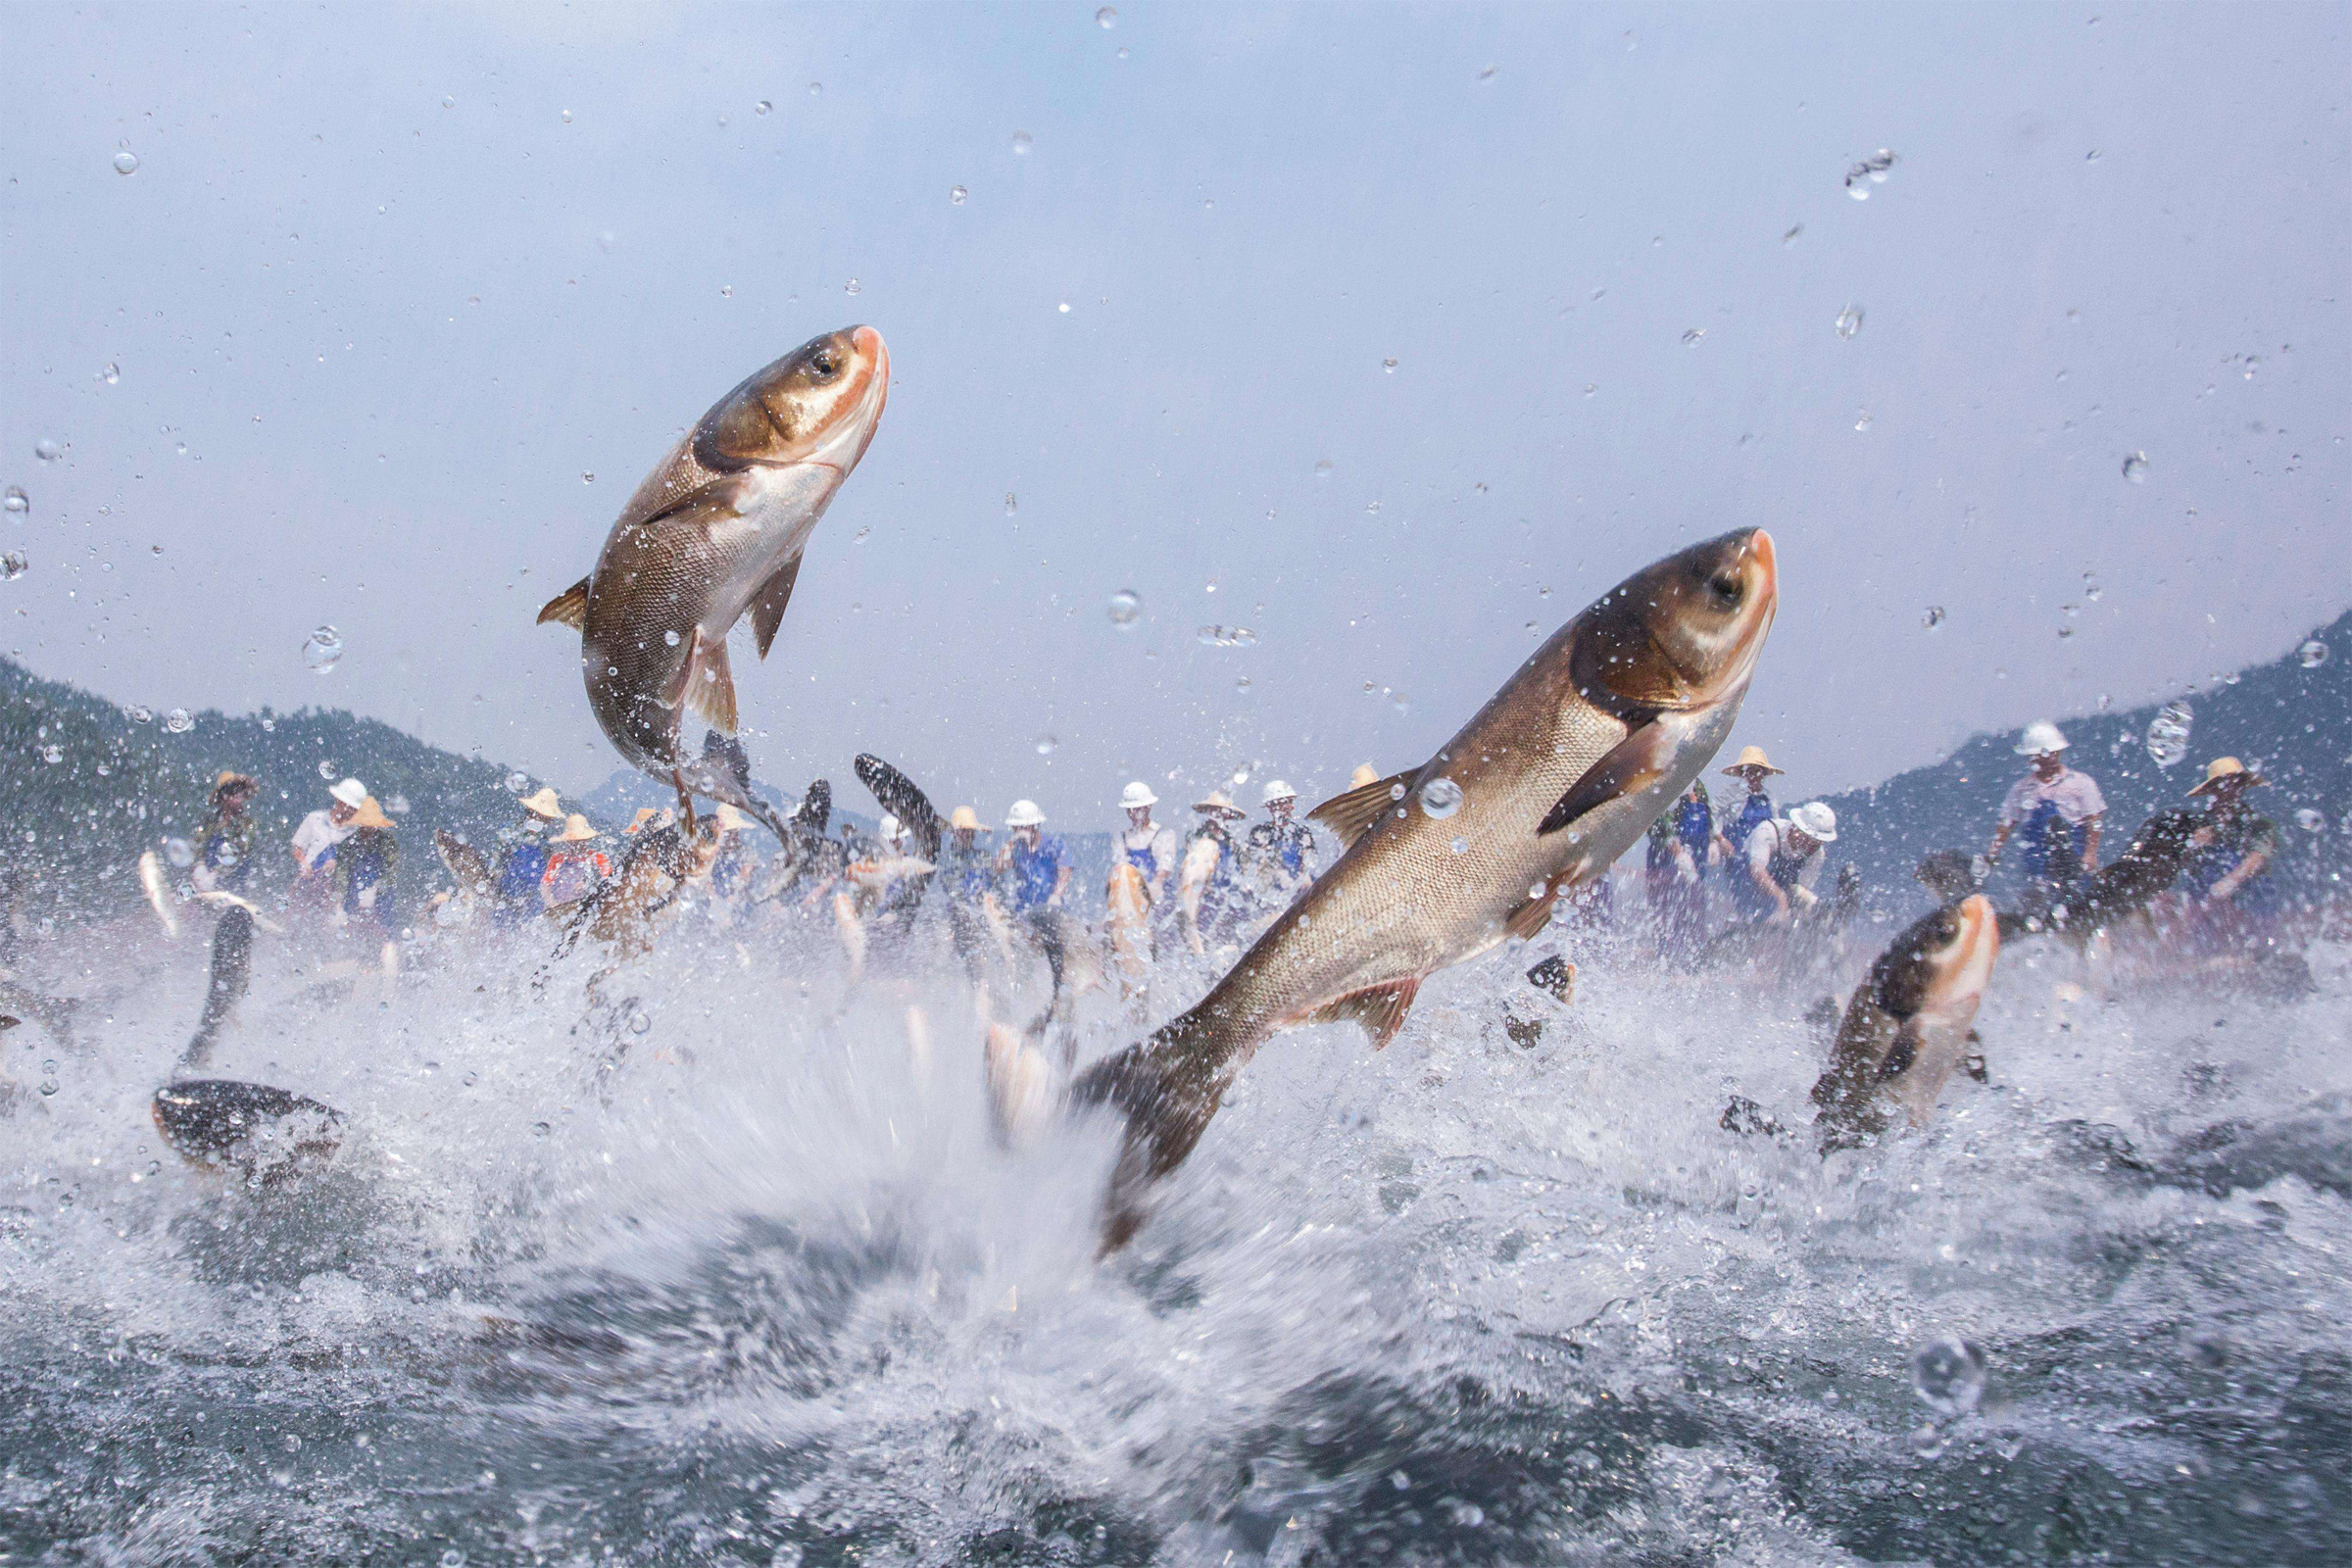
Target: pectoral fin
x=1902, y=1053
x=1348, y=814
x=706, y=683
x=1532, y=915
x=1631, y=766
x=1380, y=1010
x=767, y=605
x=570, y=607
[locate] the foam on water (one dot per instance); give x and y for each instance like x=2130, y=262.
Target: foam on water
x=764, y=1291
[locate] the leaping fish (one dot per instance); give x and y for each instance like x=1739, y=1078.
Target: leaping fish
x=718, y=528
x=1907, y=1026
x=1562, y=769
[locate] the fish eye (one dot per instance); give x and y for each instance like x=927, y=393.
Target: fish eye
x=1727, y=587
x=823, y=364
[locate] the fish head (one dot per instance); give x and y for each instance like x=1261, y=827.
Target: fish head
x=817, y=405
x=1683, y=634
x=1942, y=963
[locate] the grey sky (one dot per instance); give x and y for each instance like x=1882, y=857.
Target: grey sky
x=393, y=332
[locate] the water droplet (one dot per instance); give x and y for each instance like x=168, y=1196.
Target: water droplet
x=2308, y=820
x=16, y=500
x=47, y=449
x=1850, y=320
x=180, y=853
x=178, y=721
x=1064, y=307
x=1862, y=419
x=2313, y=654
x=669, y=639
x=1242, y=684
x=141, y=716
x=1046, y=745
x=762, y=107
x=1126, y=609
x=1441, y=797
x=540, y=1129
x=1322, y=468
x=449, y=103
x=2253, y=363
x=13, y=565
x=1227, y=637
x=453, y=1558
x=1022, y=141
x=1928, y=1441
x=816, y=89
x=1591, y=388
x=957, y=195
x=112, y=374
x=1933, y=617
x=53, y=754
x=1694, y=337
x=2168, y=734
x=587, y=477
x=126, y=161
x=1106, y=19
x=398, y=805
x=1396, y=699
x=1793, y=235
x=1389, y=365
x=1012, y=503
x=1488, y=75
x=322, y=650
x=49, y=1085
x=726, y=291
x=326, y=770
x=1871, y=171
x=2136, y=467
x=1949, y=1375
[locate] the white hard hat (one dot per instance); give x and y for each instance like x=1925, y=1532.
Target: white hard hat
x=2040, y=736
x=1276, y=789
x=1024, y=813
x=891, y=828
x=351, y=792
x=1815, y=821
x=1137, y=795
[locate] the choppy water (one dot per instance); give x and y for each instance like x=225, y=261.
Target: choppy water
x=782, y=1300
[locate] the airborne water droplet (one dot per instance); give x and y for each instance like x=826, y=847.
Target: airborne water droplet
x=1106, y=19
x=2308, y=820
x=1850, y=320
x=1022, y=141
x=1871, y=171
x=1441, y=797
x=16, y=500
x=1691, y=338
x=2313, y=654
x=2169, y=732
x=322, y=650
x=1046, y=745
x=1389, y=365
x=126, y=161
x=112, y=374
x=762, y=107
x=1949, y=1375
x=47, y=449
x=178, y=721
x=2136, y=467
x=1126, y=609
x=957, y=195
x=326, y=770
x=13, y=565
x=669, y=639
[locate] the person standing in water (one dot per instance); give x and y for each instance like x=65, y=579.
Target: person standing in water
x=1756, y=809
x=2055, y=812
x=1783, y=860
x=1148, y=846
x=575, y=868
x=361, y=872
x=1219, y=911
x=1282, y=847
x=2229, y=873
x=1036, y=868
x=225, y=845
x=525, y=864
x=1681, y=842
x=316, y=838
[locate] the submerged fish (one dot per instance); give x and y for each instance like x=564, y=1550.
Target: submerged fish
x=716, y=529
x=1561, y=770
x=1908, y=1024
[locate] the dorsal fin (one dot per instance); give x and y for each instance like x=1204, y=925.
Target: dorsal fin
x=1348, y=814
x=707, y=683
x=1379, y=1008
x=570, y=607
x=767, y=605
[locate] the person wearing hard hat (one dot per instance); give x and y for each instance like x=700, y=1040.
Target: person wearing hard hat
x=2227, y=875
x=1037, y=863
x=1148, y=846
x=316, y=838
x=525, y=865
x=2054, y=813
x=1282, y=847
x=1783, y=857
x=1754, y=808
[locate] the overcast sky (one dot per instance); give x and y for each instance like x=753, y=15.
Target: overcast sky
x=387, y=283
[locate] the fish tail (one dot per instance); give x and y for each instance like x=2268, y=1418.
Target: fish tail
x=1165, y=1089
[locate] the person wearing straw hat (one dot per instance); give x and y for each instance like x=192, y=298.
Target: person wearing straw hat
x=2228, y=874
x=526, y=866
x=2054, y=811
x=574, y=868
x=361, y=868
x=1208, y=893
x=1282, y=847
x=1756, y=807
x=965, y=868
x=1783, y=859
x=225, y=845
x=1148, y=846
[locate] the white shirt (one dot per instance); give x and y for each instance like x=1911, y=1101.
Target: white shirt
x=1765, y=843
x=2076, y=794
x=318, y=833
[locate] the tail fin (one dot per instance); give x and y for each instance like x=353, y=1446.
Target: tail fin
x=232, y=972
x=1165, y=1089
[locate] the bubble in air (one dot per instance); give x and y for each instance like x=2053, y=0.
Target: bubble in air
x=1126, y=609
x=322, y=649
x=1850, y=320
x=1022, y=141
x=957, y=195
x=126, y=161
x=2136, y=467
x=2168, y=734
x=1949, y=1375
x=1871, y=171
x=16, y=500
x=2313, y=654
x=1933, y=617
x=1441, y=797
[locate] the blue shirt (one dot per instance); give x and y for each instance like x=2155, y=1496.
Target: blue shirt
x=1035, y=871
x=1754, y=810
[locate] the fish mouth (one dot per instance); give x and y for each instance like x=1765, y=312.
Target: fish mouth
x=1761, y=562
x=870, y=392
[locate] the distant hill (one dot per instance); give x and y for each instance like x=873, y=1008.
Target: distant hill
x=88, y=785
x=2288, y=718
